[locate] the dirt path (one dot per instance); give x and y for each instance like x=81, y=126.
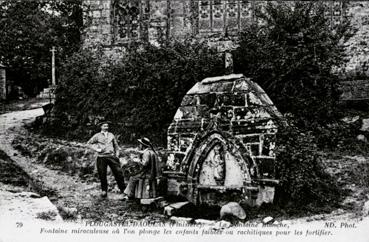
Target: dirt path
x=16, y=200
x=18, y=105
x=74, y=198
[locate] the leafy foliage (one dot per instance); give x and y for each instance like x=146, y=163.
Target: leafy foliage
x=75, y=100
x=303, y=179
x=342, y=137
x=140, y=93
x=28, y=31
x=295, y=55
x=292, y=55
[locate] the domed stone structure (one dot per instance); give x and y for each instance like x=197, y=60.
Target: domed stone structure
x=221, y=143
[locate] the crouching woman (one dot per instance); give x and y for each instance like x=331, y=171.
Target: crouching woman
x=144, y=184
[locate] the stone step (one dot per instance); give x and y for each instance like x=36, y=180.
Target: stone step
x=149, y=201
x=179, y=208
x=48, y=92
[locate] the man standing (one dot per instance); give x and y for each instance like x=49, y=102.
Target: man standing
x=106, y=145
x=144, y=184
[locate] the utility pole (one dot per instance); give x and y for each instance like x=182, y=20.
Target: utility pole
x=53, y=79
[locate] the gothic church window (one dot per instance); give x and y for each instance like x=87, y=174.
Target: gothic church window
x=204, y=16
x=231, y=16
x=126, y=20
x=224, y=16
x=337, y=13
x=218, y=16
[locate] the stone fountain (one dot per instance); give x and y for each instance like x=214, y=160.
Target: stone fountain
x=221, y=143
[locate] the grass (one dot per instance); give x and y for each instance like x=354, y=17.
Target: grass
x=49, y=215
x=10, y=173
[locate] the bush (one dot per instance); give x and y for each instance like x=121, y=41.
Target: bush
x=292, y=55
x=140, y=94
x=77, y=95
x=304, y=183
x=341, y=137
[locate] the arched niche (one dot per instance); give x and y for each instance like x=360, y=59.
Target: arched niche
x=216, y=162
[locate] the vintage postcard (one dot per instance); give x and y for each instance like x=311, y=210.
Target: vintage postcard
x=174, y=120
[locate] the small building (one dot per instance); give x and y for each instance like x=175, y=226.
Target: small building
x=355, y=93
x=221, y=143
x=3, y=84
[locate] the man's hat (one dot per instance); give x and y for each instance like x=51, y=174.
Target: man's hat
x=103, y=122
x=145, y=142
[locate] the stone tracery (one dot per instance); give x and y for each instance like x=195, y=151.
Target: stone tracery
x=126, y=19
x=136, y=20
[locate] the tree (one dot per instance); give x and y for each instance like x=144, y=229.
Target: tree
x=292, y=55
x=155, y=79
x=68, y=24
x=28, y=31
x=140, y=93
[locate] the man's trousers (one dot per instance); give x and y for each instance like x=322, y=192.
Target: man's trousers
x=102, y=164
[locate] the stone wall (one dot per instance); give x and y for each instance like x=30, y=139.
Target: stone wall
x=356, y=90
x=358, y=46
x=115, y=24
x=97, y=17
x=3, y=86
x=357, y=50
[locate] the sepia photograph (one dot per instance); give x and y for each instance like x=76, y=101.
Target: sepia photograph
x=204, y=120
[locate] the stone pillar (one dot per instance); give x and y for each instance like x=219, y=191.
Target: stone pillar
x=3, y=87
x=97, y=18
x=158, y=22
x=53, y=79
x=357, y=49
x=180, y=18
